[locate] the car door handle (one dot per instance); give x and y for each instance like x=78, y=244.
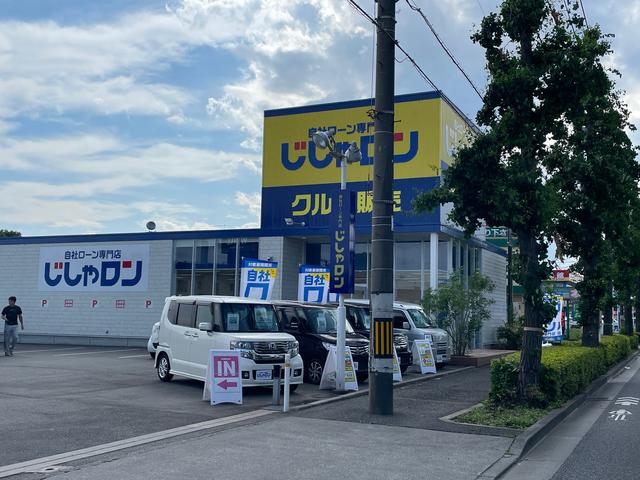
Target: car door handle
x=187, y=334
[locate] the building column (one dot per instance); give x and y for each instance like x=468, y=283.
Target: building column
x=466, y=270
x=450, y=247
x=433, y=261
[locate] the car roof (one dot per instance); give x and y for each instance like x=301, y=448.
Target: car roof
x=293, y=303
x=217, y=299
x=365, y=303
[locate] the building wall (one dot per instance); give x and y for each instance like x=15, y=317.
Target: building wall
x=495, y=267
x=272, y=247
x=292, y=259
x=20, y=267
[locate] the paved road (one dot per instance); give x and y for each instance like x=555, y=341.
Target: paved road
x=55, y=399
x=598, y=441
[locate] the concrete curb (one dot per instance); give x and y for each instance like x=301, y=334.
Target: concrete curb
x=536, y=432
x=359, y=393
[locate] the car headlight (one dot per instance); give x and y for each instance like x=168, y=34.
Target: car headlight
x=327, y=345
x=294, y=348
x=246, y=348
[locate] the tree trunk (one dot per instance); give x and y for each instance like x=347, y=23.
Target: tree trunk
x=608, y=313
x=591, y=297
x=638, y=308
x=531, y=354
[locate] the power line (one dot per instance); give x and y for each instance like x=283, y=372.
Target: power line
x=444, y=47
x=397, y=44
x=584, y=14
x=566, y=4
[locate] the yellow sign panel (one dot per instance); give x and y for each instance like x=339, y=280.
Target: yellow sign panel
x=290, y=158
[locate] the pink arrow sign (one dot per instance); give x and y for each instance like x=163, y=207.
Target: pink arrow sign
x=226, y=384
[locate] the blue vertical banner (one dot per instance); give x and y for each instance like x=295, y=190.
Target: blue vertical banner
x=258, y=278
x=342, y=243
x=313, y=284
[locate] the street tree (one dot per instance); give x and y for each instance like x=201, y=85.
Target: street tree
x=502, y=175
x=9, y=233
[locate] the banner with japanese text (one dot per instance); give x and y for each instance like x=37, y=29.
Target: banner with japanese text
x=342, y=243
x=313, y=285
x=554, y=331
x=258, y=278
x=94, y=268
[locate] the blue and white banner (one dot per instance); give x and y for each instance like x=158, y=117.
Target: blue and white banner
x=94, y=268
x=258, y=278
x=553, y=332
x=313, y=285
x=342, y=243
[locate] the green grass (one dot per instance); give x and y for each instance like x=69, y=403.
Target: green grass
x=575, y=333
x=512, y=417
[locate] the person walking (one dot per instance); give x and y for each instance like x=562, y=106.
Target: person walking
x=11, y=314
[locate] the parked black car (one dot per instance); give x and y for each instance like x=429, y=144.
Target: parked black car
x=359, y=316
x=314, y=326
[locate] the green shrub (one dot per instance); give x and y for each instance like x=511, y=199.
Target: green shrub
x=566, y=370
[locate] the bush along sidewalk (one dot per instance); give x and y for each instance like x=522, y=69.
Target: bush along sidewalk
x=567, y=370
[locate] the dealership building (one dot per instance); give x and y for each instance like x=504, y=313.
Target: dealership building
x=109, y=289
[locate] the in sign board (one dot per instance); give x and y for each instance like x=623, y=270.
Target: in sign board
x=224, y=377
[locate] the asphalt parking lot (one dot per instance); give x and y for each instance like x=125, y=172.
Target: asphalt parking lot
x=57, y=399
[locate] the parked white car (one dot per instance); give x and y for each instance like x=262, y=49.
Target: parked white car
x=152, y=344
x=191, y=326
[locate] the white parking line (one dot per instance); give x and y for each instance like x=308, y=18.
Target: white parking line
x=20, y=352
x=62, y=458
x=95, y=351
x=135, y=356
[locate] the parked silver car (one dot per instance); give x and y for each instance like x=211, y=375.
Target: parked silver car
x=152, y=344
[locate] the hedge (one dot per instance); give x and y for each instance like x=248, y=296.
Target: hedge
x=566, y=370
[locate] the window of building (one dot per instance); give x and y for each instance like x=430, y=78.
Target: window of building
x=408, y=274
x=226, y=268
x=183, y=265
x=205, y=255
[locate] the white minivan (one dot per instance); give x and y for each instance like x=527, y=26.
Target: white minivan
x=192, y=325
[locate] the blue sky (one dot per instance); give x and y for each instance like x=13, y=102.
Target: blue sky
x=115, y=113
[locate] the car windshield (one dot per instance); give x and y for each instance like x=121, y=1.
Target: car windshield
x=419, y=318
x=247, y=317
x=361, y=316
x=323, y=320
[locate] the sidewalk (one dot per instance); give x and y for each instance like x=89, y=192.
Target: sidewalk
x=336, y=440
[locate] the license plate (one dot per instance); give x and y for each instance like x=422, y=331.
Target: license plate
x=264, y=374
x=355, y=365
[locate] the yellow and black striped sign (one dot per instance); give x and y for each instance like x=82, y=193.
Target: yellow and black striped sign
x=383, y=338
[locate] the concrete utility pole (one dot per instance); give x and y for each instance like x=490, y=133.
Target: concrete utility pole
x=381, y=364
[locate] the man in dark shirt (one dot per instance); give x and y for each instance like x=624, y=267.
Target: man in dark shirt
x=11, y=314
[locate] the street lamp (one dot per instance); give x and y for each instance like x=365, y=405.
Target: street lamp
x=324, y=139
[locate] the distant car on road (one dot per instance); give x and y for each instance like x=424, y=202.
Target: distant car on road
x=152, y=344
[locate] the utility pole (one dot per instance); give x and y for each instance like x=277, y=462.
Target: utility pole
x=381, y=360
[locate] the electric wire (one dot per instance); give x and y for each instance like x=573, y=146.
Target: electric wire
x=418, y=10
x=420, y=71
x=584, y=14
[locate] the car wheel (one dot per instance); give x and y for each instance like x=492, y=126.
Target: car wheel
x=152, y=355
x=362, y=377
x=314, y=371
x=164, y=368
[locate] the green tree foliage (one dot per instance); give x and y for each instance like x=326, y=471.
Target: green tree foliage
x=9, y=233
x=460, y=309
x=591, y=166
x=505, y=175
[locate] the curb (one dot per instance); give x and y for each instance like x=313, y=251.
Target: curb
x=536, y=432
x=360, y=393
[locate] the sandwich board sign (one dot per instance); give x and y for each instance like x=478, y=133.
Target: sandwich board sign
x=423, y=354
x=397, y=374
x=223, y=383
x=328, y=381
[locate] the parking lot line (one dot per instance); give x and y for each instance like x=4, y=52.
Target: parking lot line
x=135, y=356
x=61, y=458
x=20, y=352
x=95, y=351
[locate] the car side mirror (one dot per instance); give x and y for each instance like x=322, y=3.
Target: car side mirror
x=406, y=325
x=206, y=326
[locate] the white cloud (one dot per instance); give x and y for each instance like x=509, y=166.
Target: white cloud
x=251, y=202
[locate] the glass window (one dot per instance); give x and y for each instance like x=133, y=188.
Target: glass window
x=317, y=254
x=322, y=320
x=183, y=262
x=408, y=271
x=359, y=317
x=245, y=317
x=204, y=283
x=249, y=250
x=226, y=255
x=226, y=269
x=172, y=314
x=204, y=254
x=399, y=319
x=185, y=314
x=408, y=255
x=204, y=314
x=420, y=318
